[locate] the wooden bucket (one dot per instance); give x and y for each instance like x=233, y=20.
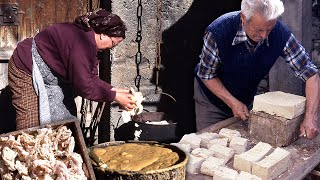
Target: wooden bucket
x=175, y=172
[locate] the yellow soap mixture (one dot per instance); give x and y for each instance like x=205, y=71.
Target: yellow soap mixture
x=137, y=157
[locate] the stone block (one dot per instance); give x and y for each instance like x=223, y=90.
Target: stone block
x=275, y=130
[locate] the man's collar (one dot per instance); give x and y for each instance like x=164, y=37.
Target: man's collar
x=241, y=36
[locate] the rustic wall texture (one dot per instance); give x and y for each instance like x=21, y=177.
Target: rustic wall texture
x=34, y=16
x=182, y=24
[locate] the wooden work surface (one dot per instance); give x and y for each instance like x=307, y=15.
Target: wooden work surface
x=305, y=154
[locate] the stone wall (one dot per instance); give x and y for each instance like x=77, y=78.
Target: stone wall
x=124, y=67
x=183, y=24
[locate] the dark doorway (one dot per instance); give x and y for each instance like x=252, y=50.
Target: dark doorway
x=182, y=44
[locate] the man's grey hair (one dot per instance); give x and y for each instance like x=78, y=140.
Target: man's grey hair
x=269, y=9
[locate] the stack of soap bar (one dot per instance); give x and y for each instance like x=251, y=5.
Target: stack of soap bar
x=280, y=104
x=276, y=118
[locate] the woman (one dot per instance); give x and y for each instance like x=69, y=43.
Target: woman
x=47, y=71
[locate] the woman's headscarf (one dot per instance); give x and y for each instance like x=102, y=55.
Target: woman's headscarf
x=102, y=22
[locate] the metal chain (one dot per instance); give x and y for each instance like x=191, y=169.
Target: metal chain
x=138, y=57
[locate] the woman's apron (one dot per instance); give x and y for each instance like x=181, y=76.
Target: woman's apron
x=50, y=90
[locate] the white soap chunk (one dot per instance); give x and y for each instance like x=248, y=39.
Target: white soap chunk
x=224, y=173
x=280, y=104
x=192, y=139
x=222, y=152
x=218, y=141
x=238, y=144
x=247, y=176
x=194, y=164
x=206, y=137
x=210, y=164
x=202, y=152
x=229, y=133
x=273, y=165
x=184, y=147
x=244, y=161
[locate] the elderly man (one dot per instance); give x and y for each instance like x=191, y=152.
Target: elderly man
x=239, y=50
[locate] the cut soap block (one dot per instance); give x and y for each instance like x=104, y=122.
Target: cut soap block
x=202, y=152
x=273, y=165
x=210, y=165
x=239, y=144
x=206, y=137
x=218, y=141
x=222, y=152
x=193, y=139
x=184, y=147
x=280, y=104
x=225, y=173
x=244, y=161
x=194, y=164
x=229, y=133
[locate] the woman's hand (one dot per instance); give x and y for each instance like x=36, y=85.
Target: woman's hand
x=124, y=98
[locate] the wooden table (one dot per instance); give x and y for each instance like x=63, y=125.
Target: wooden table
x=305, y=154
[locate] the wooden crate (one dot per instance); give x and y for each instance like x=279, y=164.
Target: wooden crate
x=80, y=147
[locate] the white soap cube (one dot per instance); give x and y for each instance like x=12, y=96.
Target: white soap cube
x=280, y=104
x=273, y=165
x=184, y=147
x=194, y=164
x=224, y=173
x=222, y=152
x=210, y=164
x=229, y=133
x=202, y=152
x=238, y=144
x=219, y=141
x=205, y=137
x=192, y=139
x=244, y=161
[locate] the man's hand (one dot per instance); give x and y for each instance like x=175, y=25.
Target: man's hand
x=309, y=128
x=240, y=110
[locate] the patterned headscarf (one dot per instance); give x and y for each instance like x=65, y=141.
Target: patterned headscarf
x=102, y=22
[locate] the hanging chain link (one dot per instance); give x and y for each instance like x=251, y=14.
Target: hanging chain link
x=138, y=57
